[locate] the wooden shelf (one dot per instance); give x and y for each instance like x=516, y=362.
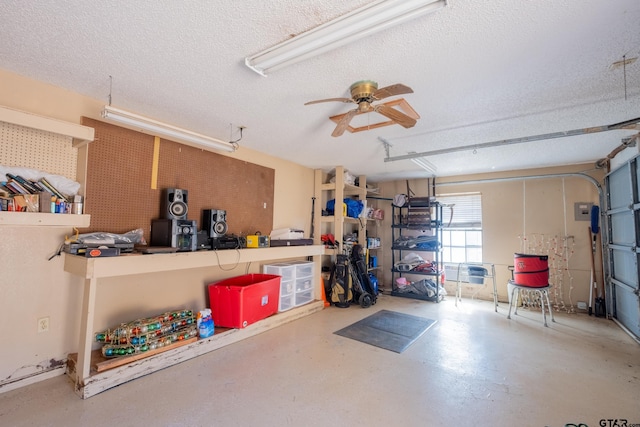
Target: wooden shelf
x=81, y=134
x=347, y=219
x=99, y=363
x=338, y=191
x=97, y=382
x=127, y=264
x=348, y=189
x=88, y=383
x=331, y=251
x=44, y=219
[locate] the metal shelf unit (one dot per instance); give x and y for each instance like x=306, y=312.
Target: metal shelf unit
x=404, y=225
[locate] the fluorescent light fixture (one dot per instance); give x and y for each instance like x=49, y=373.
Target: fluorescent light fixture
x=425, y=164
x=360, y=23
x=156, y=128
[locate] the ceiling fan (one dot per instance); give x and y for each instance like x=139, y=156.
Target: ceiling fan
x=364, y=93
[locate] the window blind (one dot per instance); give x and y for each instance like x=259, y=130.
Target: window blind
x=461, y=210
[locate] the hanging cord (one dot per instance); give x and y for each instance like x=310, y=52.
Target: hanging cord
x=110, y=89
x=568, y=254
x=67, y=240
x=237, y=261
x=235, y=142
x=624, y=73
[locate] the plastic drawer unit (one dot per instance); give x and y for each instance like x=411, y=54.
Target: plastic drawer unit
x=304, y=280
x=297, y=282
x=286, y=300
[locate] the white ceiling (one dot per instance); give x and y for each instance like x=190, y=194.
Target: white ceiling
x=481, y=71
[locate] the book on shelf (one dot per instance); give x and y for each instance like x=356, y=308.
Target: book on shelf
x=26, y=184
x=38, y=187
x=53, y=190
x=16, y=187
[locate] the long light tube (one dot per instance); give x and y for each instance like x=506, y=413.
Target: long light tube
x=360, y=23
x=425, y=164
x=156, y=128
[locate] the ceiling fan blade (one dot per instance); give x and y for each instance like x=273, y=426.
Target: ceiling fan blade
x=343, y=124
x=395, y=115
x=345, y=100
x=397, y=89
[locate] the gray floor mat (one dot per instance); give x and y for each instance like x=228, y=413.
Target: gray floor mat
x=388, y=329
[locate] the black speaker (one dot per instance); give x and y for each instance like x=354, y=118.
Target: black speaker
x=214, y=222
x=174, y=204
x=177, y=233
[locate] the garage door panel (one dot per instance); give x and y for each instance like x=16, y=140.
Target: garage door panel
x=625, y=267
x=621, y=194
x=627, y=309
x=622, y=229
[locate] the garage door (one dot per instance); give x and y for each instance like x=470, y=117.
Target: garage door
x=623, y=222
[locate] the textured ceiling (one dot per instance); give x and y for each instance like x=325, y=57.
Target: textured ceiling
x=481, y=71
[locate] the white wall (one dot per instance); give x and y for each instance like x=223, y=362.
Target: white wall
x=540, y=209
x=32, y=287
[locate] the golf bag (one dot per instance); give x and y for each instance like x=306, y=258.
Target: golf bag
x=366, y=293
x=339, y=289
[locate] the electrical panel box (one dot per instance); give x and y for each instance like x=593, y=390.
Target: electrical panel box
x=582, y=211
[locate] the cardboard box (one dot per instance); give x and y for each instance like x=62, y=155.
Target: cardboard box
x=44, y=200
x=240, y=301
x=26, y=202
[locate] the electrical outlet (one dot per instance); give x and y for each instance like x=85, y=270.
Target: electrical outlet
x=43, y=324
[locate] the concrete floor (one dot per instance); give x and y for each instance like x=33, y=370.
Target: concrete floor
x=474, y=367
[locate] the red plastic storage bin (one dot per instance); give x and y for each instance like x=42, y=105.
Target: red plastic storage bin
x=531, y=270
x=240, y=301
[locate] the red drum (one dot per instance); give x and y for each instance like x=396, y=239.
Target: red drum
x=531, y=270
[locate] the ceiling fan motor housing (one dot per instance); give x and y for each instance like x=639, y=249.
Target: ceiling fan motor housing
x=363, y=90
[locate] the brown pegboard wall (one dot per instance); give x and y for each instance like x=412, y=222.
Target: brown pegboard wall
x=119, y=196
x=37, y=149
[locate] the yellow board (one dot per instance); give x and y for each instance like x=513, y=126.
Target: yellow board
x=154, y=165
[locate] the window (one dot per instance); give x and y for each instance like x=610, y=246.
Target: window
x=461, y=228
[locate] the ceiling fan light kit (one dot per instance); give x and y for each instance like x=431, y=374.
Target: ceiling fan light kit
x=362, y=22
x=153, y=127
